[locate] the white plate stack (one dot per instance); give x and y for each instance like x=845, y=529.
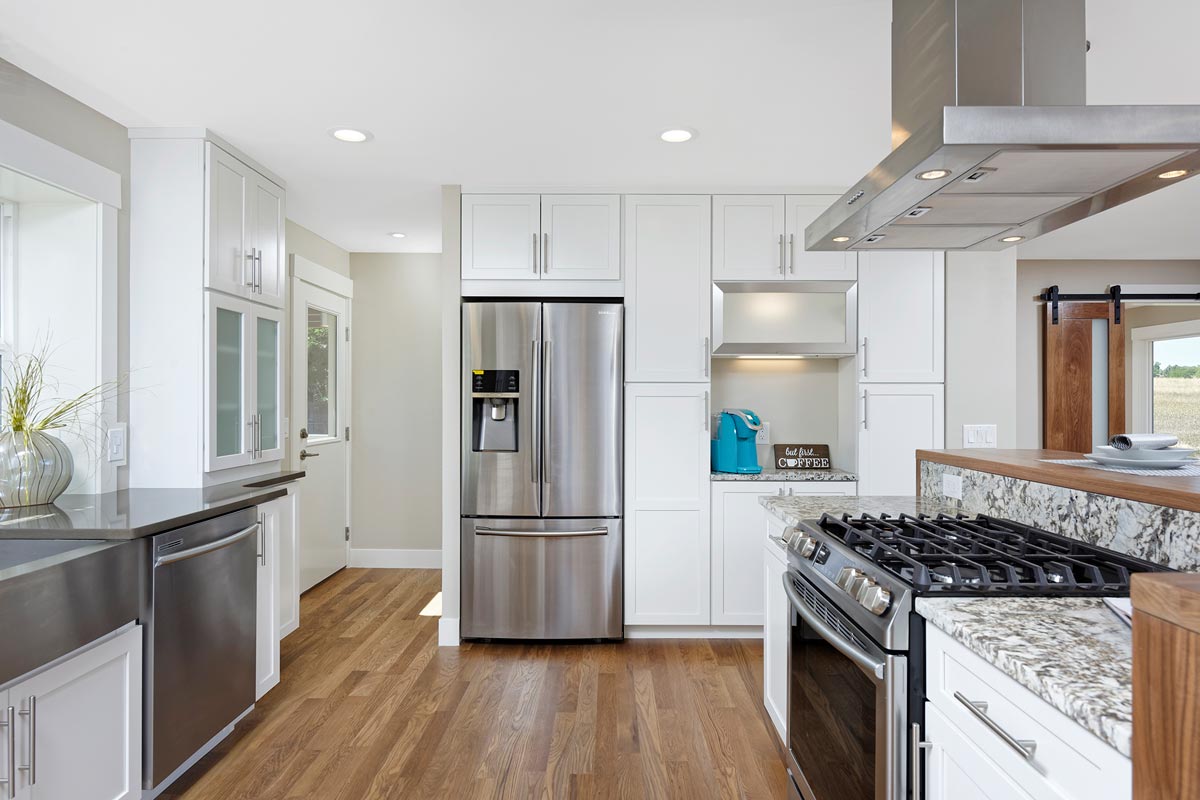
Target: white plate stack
x=1143, y=451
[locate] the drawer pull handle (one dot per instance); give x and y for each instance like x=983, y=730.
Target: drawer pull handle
x=1024, y=747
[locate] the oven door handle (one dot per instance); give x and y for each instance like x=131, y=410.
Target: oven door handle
x=865, y=661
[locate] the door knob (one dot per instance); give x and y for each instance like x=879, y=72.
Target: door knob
x=305, y=454
x=304, y=433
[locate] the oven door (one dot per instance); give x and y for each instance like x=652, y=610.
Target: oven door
x=847, y=704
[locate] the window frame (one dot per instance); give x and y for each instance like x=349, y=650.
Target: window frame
x=1143, y=340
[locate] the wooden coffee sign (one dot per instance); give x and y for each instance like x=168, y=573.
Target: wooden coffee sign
x=802, y=456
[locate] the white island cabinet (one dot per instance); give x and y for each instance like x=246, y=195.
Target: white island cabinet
x=78, y=725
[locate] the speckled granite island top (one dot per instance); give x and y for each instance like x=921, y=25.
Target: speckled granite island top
x=788, y=475
x=1073, y=653
x=794, y=508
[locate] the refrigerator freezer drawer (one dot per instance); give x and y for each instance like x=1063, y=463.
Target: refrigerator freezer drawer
x=542, y=579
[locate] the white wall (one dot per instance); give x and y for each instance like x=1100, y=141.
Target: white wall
x=397, y=409
x=305, y=243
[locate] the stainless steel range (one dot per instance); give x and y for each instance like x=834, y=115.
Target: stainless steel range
x=856, y=683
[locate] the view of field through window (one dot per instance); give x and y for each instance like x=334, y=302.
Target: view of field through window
x=1176, y=400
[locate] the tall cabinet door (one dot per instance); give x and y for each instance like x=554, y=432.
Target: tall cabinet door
x=581, y=237
x=747, y=237
x=266, y=655
x=229, y=384
x=901, y=317
x=265, y=223
x=501, y=236
x=268, y=383
x=582, y=379
x=228, y=262
x=803, y=265
x=667, y=504
x=668, y=287
x=897, y=420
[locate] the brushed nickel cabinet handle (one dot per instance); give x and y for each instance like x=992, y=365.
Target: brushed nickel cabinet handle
x=1024, y=747
x=866, y=400
x=864, y=357
x=31, y=713
x=9, y=724
x=707, y=354
x=792, y=253
x=262, y=538
x=917, y=768
x=249, y=256
x=535, y=254
x=706, y=415
x=781, y=259
x=545, y=253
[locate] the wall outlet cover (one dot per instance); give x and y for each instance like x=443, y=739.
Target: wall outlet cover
x=116, y=444
x=952, y=486
x=764, y=435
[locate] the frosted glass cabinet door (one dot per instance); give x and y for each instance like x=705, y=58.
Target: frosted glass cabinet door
x=268, y=383
x=227, y=437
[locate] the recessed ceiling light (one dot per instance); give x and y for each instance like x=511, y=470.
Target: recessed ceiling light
x=352, y=135
x=933, y=174
x=396, y=235
x=1175, y=173
x=840, y=239
x=677, y=135
x=1010, y=239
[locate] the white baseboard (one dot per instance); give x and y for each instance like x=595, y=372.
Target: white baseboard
x=693, y=632
x=386, y=558
x=448, y=632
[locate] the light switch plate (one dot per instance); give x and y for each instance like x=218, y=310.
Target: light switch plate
x=764, y=434
x=979, y=435
x=952, y=486
x=116, y=444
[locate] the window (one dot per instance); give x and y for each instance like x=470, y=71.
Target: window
x=322, y=373
x=1166, y=375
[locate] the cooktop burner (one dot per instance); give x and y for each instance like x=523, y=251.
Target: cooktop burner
x=984, y=555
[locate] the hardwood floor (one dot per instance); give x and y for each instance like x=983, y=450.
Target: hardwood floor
x=370, y=707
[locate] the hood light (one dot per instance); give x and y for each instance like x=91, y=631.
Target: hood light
x=840, y=239
x=1171, y=174
x=933, y=175
x=1011, y=239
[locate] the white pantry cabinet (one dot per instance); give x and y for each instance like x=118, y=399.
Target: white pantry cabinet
x=666, y=504
x=897, y=420
x=78, y=725
x=266, y=657
x=737, y=541
x=668, y=288
x=541, y=237
x=244, y=248
x=244, y=369
x=901, y=317
x=761, y=238
x=776, y=621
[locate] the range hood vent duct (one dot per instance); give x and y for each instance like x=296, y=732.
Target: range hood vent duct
x=992, y=141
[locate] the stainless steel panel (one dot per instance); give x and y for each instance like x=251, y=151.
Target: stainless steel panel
x=989, y=48
x=501, y=336
x=727, y=349
x=583, y=384
x=200, y=638
x=542, y=579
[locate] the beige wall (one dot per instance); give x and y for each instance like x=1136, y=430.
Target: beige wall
x=305, y=243
x=1083, y=277
x=396, y=451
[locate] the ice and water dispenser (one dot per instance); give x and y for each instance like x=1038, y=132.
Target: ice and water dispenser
x=495, y=396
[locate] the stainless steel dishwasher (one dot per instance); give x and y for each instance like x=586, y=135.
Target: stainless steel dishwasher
x=200, y=638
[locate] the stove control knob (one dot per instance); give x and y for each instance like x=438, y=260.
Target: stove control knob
x=806, y=546
x=846, y=575
x=874, y=598
x=856, y=584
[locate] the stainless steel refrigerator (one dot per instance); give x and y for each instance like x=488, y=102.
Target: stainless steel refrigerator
x=541, y=470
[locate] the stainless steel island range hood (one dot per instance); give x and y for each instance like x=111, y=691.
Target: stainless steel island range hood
x=992, y=143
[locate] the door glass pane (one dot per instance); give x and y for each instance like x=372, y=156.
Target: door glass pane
x=1175, y=403
x=322, y=373
x=268, y=382
x=229, y=382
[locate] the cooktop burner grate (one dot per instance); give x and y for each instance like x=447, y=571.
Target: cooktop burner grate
x=984, y=555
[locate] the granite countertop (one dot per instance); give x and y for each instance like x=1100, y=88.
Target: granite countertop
x=792, y=509
x=1073, y=653
x=788, y=475
x=134, y=513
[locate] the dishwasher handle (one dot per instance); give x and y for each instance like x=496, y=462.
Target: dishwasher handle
x=206, y=548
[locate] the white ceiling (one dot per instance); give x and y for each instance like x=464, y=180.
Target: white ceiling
x=556, y=93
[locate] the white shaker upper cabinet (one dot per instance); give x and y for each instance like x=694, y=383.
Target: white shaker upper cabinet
x=581, y=237
x=667, y=504
x=501, y=236
x=748, y=237
x=901, y=317
x=668, y=288
x=265, y=237
x=229, y=264
x=897, y=420
x=802, y=265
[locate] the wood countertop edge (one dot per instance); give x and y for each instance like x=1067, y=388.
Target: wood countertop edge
x=1026, y=465
x=1173, y=597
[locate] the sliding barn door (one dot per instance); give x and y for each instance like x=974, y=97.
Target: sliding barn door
x=1083, y=380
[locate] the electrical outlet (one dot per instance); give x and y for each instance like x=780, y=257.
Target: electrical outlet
x=764, y=434
x=952, y=486
x=979, y=435
x=115, y=444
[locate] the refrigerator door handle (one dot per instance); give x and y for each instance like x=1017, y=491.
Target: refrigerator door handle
x=597, y=531
x=535, y=461
x=546, y=429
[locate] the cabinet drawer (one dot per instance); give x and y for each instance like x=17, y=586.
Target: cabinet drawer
x=1068, y=761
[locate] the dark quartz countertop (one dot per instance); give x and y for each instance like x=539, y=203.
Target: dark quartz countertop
x=134, y=513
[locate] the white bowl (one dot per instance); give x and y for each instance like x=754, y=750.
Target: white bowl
x=1135, y=454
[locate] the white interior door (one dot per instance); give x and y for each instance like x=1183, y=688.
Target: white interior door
x=319, y=422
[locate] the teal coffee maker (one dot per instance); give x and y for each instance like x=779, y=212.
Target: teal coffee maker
x=733, y=442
